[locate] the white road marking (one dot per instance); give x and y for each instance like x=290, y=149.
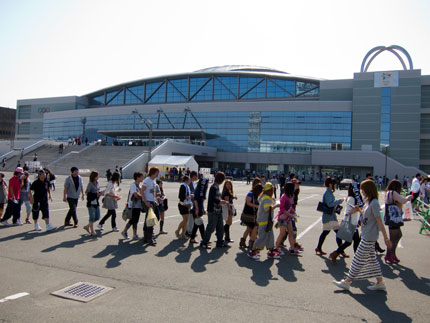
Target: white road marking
x=12, y=297
x=66, y=209
x=309, y=228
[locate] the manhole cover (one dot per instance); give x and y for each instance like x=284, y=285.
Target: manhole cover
x=82, y=292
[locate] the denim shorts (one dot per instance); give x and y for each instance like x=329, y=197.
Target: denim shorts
x=94, y=213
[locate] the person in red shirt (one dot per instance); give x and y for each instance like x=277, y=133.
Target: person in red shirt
x=13, y=206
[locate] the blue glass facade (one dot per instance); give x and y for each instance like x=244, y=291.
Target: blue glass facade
x=206, y=88
x=266, y=131
x=385, y=116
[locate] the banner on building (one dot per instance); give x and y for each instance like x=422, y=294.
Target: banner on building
x=386, y=79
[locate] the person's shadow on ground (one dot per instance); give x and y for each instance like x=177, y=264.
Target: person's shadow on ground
x=121, y=251
x=407, y=276
x=376, y=301
x=207, y=257
x=174, y=245
x=337, y=271
x=261, y=273
x=71, y=243
x=29, y=235
x=288, y=265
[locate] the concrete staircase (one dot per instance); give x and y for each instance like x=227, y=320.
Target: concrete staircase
x=45, y=154
x=98, y=158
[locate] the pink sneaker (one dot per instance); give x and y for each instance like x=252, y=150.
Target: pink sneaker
x=273, y=255
x=279, y=251
x=253, y=255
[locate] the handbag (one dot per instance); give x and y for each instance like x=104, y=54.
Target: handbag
x=151, y=219
x=127, y=213
x=322, y=207
x=165, y=204
x=346, y=229
x=109, y=203
x=393, y=214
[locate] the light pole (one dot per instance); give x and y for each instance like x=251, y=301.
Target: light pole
x=386, y=163
x=83, y=121
x=147, y=122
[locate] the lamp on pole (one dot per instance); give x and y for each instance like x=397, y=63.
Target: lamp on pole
x=386, y=163
x=148, y=123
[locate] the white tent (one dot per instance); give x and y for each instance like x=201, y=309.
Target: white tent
x=166, y=161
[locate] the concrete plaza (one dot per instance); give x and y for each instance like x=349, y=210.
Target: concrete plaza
x=178, y=282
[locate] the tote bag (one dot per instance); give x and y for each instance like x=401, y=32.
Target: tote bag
x=346, y=229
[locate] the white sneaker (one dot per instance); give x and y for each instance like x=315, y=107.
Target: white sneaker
x=124, y=234
x=50, y=227
x=115, y=229
x=18, y=222
x=377, y=286
x=37, y=227
x=100, y=227
x=342, y=284
x=5, y=223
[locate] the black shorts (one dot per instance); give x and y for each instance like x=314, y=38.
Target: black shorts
x=41, y=206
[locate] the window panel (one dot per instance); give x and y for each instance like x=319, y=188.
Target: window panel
x=258, y=92
x=246, y=83
x=157, y=95
x=173, y=94
x=221, y=92
x=196, y=83
x=119, y=99
x=150, y=89
x=205, y=94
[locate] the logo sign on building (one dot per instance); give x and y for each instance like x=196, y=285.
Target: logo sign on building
x=386, y=79
x=44, y=110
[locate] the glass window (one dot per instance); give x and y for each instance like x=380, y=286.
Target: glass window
x=246, y=83
x=230, y=82
x=204, y=94
x=134, y=94
x=155, y=93
x=196, y=83
x=386, y=91
x=110, y=95
x=173, y=94
x=181, y=85
x=118, y=99
x=257, y=92
x=307, y=89
x=98, y=100
x=277, y=88
x=223, y=92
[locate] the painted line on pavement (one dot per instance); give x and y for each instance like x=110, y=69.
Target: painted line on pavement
x=309, y=228
x=66, y=209
x=12, y=297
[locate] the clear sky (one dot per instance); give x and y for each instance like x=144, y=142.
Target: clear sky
x=61, y=48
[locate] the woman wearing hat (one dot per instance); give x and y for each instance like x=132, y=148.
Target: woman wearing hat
x=265, y=237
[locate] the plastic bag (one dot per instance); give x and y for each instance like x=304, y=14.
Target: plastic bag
x=151, y=219
x=407, y=211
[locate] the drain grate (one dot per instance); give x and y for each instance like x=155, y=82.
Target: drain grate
x=82, y=292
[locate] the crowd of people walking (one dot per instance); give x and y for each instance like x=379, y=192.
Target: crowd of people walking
x=261, y=213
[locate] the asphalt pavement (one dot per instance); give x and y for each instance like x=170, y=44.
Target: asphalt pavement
x=179, y=282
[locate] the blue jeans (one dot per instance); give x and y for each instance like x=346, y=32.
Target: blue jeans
x=214, y=221
x=94, y=213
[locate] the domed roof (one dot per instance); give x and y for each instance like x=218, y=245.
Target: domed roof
x=239, y=68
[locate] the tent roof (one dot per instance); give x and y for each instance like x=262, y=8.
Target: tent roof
x=171, y=160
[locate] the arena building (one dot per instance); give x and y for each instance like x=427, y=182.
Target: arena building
x=258, y=118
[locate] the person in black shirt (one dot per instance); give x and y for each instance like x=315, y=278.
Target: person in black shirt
x=228, y=195
x=41, y=190
x=215, y=213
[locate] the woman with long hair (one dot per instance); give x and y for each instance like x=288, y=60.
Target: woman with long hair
x=199, y=209
x=393, y=197
x=228, y=195
x=111, y=201
x=364, y=264
x=184, y=206
x=250, y=209
x=25, y=198
x=134, y=202
x=93, y=193
x=329, y=219
x=162, y=203
x=284, y=219
x=351, y=202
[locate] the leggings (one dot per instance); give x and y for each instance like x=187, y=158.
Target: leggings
x=135, y=215
x=201, y=228
x=324, y=235
x=108, y=214
x=346, y=244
